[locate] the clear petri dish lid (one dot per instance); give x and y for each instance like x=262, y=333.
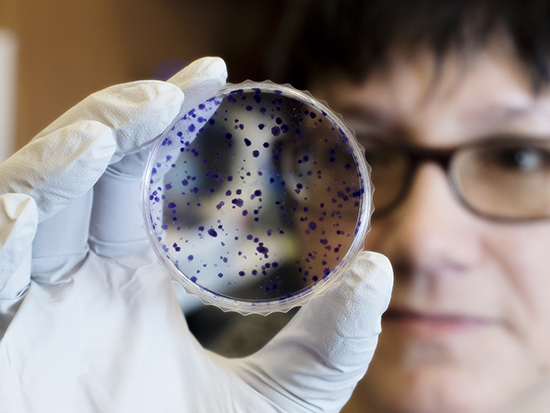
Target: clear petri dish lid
x=257, y=199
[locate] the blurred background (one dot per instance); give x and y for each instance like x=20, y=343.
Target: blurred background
x=54, y=53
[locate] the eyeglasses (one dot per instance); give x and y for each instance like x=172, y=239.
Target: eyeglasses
x=500, y=179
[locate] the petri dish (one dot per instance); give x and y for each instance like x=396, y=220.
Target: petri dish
x=257, y=199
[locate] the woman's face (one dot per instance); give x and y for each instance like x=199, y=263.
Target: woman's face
x=468, y=328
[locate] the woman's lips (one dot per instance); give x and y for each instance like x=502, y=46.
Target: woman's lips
x=432, y=325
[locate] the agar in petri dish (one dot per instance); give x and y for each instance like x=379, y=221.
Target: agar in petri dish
x=258, y=198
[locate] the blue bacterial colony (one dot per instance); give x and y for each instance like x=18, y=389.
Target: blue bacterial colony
x=255, y=195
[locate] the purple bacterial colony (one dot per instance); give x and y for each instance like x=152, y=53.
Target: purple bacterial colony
x=255, y=195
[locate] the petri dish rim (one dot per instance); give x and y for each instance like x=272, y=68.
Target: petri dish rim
x=299, y=298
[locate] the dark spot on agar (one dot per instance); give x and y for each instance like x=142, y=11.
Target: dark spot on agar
x=275, y=131
x=238, y=202
x=262, y=249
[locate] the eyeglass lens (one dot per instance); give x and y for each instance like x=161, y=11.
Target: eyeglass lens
x=507, y=179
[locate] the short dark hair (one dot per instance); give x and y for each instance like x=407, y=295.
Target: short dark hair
x=353, y=37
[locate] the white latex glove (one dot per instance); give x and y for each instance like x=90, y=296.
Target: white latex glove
x=94, y=325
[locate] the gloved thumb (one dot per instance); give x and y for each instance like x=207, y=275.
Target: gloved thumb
x=329, y=344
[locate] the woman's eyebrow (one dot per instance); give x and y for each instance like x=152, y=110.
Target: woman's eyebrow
x=495, y=114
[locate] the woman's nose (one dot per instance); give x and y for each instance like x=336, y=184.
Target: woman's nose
x=430, y=231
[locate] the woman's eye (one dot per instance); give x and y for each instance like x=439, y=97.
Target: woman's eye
x=522, y=158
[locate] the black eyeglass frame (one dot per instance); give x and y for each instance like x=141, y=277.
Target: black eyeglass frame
x=443, y=157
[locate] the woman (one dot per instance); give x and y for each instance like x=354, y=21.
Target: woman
x=451, y=101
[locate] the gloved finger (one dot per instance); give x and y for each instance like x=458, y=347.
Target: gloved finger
x=60, y=167
x=116, y=226
x=328, y=345
x=61, y=241
x=200, y=80
x=18, y=220
x=65, y=161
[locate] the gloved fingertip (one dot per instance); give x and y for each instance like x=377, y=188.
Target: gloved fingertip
x=380, y=269
x=370, y=279
x=381, y=260
x=212, y=69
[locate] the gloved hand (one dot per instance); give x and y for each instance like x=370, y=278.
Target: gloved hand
x=91, y=320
